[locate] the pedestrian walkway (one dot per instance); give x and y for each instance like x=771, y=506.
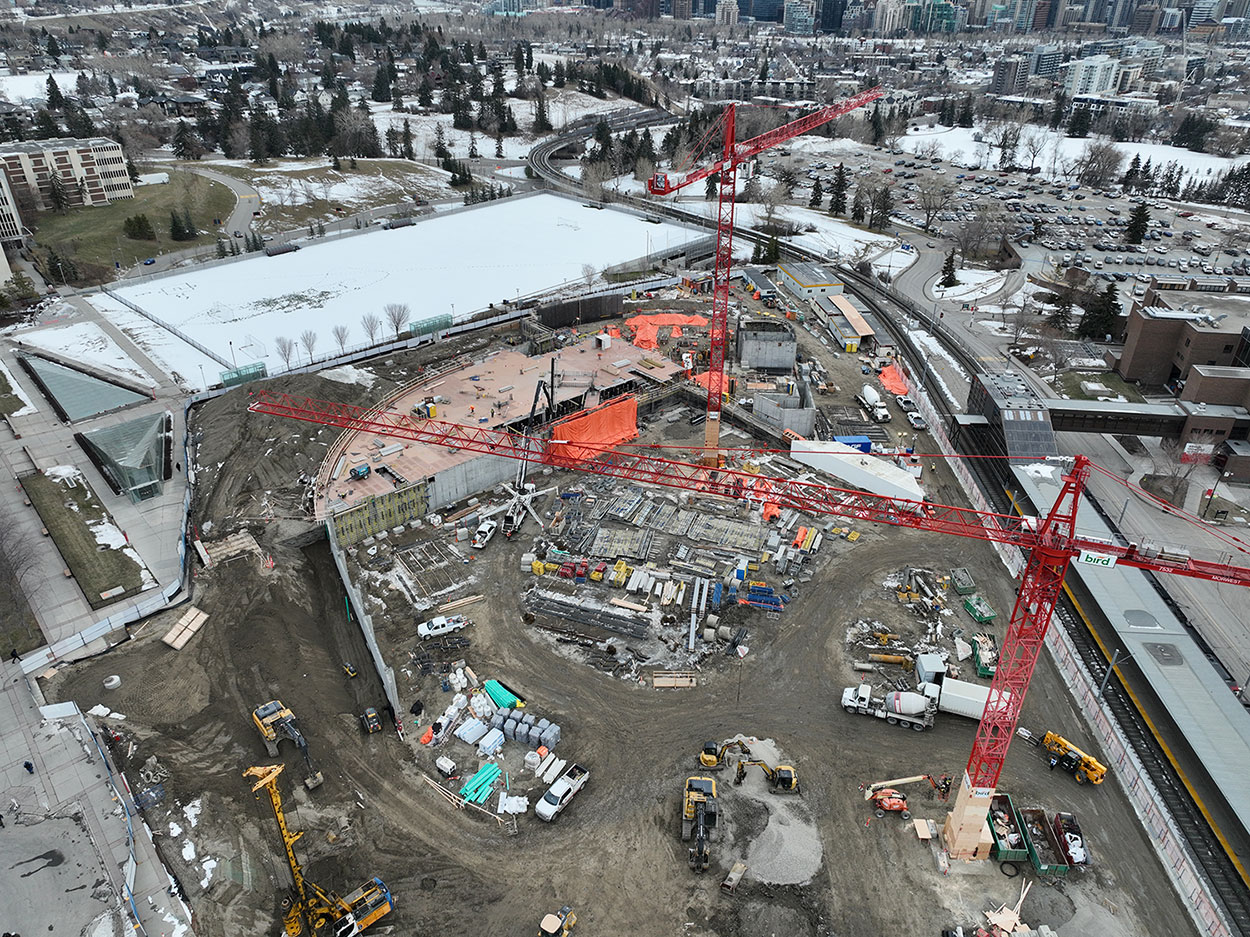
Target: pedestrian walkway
x=73, y=850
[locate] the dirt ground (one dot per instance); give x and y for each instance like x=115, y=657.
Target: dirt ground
x=615, y=854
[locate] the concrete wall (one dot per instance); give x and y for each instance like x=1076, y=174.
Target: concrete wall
x=785, y=412
x=769, y=347
x=1149, y=347
x=469, y=478
x=1219, y=390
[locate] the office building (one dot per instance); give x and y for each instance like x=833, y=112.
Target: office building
x=1044, y=61
x=88, y=172
x=727, y=12
x=799, y=18
x=1011, y=74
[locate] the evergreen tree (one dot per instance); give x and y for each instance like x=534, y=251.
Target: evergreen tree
x=837, y=195
x=406, y=149
x=881, y=203
x=498, y=146
x=757, y=255
x=1133, y=173
x=1061, y=317
x=473, y=153
x=1078, y=123
x=176, y=231
x=859, y=205
x=1056, y=112
x=558, y=76
x=965, y=112
x=58, y=193
x=878, y=124
x=818, y=195
x=773, y=253
x=188, y=224
x=132, y=170
x=542, y=123
x=948, y=271
x=1138, y=220
x=1102, y=316
x=221, y=249
x=381, y=85
x=45, y=126
x=56, y=100
x=54, y=50
x=709, y=190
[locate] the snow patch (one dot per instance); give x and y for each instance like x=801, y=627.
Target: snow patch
x=350, y=374
x=192, y=812
x=208, y=865
x=174, y=829
x=102, y=711
x=64, y=473
x=87, y=343
x=27, y=407
x=188, y=850
x=973, y=284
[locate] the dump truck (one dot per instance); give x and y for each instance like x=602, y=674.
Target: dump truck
x=958, y=697
x=561, y=792
x=905, y=709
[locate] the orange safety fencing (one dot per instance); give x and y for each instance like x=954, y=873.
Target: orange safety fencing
x=605, y=426
x=892, y=380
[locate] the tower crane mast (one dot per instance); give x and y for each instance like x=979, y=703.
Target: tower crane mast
x=1051, y=543
x=733, y=155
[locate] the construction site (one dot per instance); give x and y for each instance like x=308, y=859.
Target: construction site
x=606, y=615
x=576, y=620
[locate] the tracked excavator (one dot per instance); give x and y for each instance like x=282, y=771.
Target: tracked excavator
x=276, y=722
x=698, y=820
x=712, y=758
x=310, y=909
x=783, y=778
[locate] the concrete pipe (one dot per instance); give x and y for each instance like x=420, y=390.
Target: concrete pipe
x=112, y=682
x=863, y=667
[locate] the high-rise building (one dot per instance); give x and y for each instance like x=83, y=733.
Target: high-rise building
x=1093, y=75
x=831, y=15
x=1146, y=19
x=11, y=229
x=727, y=12
x=1022, y=15
x=1044, y=61
x=799, y=18
x=1011, y=74
x=89, y=172
x=682, y=9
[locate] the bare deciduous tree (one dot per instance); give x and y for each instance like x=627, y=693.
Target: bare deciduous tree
x=588, y=274
x=308, y=338
x=371, y=323
x=1032, y=144
x=1099, y=164
x=973, y=233
x=285, y=348
x=932, y=198
x=340, y=333
x=396, y=315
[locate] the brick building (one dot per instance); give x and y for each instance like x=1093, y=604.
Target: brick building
x=91, y=172
x=1163, y=345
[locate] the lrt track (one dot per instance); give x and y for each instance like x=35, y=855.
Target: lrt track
x=1224, y=882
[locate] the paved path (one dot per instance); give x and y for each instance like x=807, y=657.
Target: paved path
x=69, y=807
x=153, y=527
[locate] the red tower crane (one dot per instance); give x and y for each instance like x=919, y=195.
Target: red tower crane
x=733, y=156
x=1051, y=543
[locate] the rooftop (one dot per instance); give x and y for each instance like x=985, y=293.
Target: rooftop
x=806, y=274
x=493, y=392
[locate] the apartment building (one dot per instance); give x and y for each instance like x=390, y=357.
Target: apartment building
x=91, y=172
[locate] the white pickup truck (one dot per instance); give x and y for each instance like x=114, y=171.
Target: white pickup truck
x=561, y=792
x=484, y=533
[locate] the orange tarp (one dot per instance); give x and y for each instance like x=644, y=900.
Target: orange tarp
x=677, y=331
x=893, y=381
x=647, y=327
x=599, y=429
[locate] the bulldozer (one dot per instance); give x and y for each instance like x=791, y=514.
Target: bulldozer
x=275, y=722
x=698, y=820
x=887, y=798
x=712, y=758
x=558, y=924
x=783, y=779
x=1071, y=759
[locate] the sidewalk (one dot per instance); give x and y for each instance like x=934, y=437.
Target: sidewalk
x=72, y=837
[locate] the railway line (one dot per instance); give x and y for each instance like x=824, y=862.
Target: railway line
x=1227, y=886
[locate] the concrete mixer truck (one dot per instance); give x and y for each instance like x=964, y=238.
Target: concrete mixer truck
x=912, y=710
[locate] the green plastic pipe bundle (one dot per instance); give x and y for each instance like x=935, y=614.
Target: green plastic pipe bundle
x=500, y=695
x=478, y=787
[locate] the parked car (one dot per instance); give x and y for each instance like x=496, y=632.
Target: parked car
x=149, y=261
x=916, y=421
x=905, y=403
x=441, y=625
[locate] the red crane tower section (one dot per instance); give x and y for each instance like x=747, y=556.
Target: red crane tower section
x=727, y=166
x=1051, y=543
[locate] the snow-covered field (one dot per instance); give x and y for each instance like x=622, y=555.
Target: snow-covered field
x=973, y=284
x=293, y=183
x=456, y=264
x=564, y=106
x=19, y=88
x=958, y=143
x=86, y=342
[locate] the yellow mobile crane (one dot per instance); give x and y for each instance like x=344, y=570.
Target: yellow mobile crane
x=313, y=910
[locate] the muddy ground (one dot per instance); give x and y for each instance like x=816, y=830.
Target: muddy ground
x=615, y=855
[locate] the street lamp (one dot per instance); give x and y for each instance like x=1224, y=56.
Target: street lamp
x=1211, y=497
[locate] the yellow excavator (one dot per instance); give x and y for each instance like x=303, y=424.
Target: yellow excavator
x=698, y=820
x=1071, y=759
x=712, y=758
x=275, y=722
x=783, y=778
x=311, y=909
